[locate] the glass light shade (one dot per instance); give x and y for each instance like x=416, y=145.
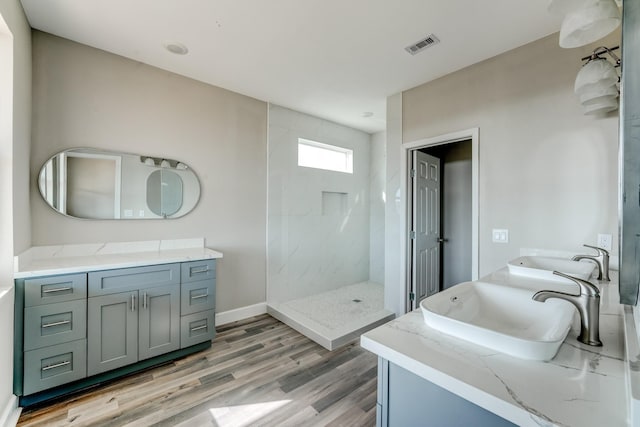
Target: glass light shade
x=599, y=100
x=598, y=93
x=589, y=23
x=562, y=7
x=602, y=107
x=595, y=75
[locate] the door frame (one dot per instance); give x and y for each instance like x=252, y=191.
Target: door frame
x=405, y=202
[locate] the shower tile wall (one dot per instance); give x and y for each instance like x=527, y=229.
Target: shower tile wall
x=314, y=248
x=377, y=184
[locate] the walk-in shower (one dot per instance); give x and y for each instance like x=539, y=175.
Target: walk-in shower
x=325, y=227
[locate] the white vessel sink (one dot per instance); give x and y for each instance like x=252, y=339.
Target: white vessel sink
x=540, y=267
x=502, y=318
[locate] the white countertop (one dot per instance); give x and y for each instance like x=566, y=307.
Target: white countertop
x=581, y=386
x=66, y=259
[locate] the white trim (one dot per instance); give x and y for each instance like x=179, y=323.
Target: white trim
x=11, y=412
x=405, y=149
x=241, y=313
x=117, y=159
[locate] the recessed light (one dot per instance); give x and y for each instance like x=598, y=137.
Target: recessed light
x=367, y=114
x=177, y=48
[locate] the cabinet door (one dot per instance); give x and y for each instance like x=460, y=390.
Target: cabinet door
x=159, y=331
x=112, y=327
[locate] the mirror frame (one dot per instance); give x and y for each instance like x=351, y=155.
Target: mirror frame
x=629, y=161
x=159, y=163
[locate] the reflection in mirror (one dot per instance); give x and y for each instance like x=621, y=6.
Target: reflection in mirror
x=164, y=192
x=95, y=184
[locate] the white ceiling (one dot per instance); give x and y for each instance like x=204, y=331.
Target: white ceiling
x=334, y=59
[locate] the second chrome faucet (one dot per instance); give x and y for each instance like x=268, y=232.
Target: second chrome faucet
x=602, y=260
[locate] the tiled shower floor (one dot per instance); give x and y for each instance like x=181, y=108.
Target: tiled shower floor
x=336, y=317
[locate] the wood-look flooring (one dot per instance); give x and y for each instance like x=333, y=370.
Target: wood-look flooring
x=258, y=372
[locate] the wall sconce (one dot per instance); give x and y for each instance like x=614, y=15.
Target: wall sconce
x=596, y=83
x=585, y=21
x=148, y=161
x=163, y=163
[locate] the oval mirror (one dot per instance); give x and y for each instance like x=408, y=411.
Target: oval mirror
x=95, y=184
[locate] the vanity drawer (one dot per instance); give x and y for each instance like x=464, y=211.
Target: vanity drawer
x=194, y=271
x=52, y=324
x=197, y=328
x=55, y=365
x=197, y=296
x=131, y=279
x=53, y=289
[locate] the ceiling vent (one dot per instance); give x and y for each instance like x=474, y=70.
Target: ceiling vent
x=421, y=45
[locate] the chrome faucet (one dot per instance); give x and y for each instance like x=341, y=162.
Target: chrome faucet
x=588, y=304
x=602, y=260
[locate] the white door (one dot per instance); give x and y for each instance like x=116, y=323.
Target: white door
x=425, y=226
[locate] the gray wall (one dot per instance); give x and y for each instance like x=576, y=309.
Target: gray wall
x=85, y=97
x=15, y=125
x=548, y=173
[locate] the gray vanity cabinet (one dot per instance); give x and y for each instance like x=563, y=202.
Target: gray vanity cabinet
x=77, y=330
x=407, y=400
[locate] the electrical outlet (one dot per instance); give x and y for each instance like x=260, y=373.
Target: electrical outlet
x=605, y=241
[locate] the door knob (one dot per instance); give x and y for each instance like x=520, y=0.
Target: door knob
x=441, y=240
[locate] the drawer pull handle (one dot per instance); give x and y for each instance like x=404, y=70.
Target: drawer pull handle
x=50, y=291
x=57, y=365
x=199, y=270
x=62, y=322
x=197, y=328
x=200, y=296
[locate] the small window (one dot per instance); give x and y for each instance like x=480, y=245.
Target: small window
x=312, y=154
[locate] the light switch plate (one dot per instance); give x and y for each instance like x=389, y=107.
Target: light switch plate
x=500, y=235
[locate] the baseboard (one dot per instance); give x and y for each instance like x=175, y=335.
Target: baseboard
x=10, y=413
x=241, y=313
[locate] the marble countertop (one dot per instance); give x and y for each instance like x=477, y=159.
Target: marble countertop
x=66, y=259
x=581, y=386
